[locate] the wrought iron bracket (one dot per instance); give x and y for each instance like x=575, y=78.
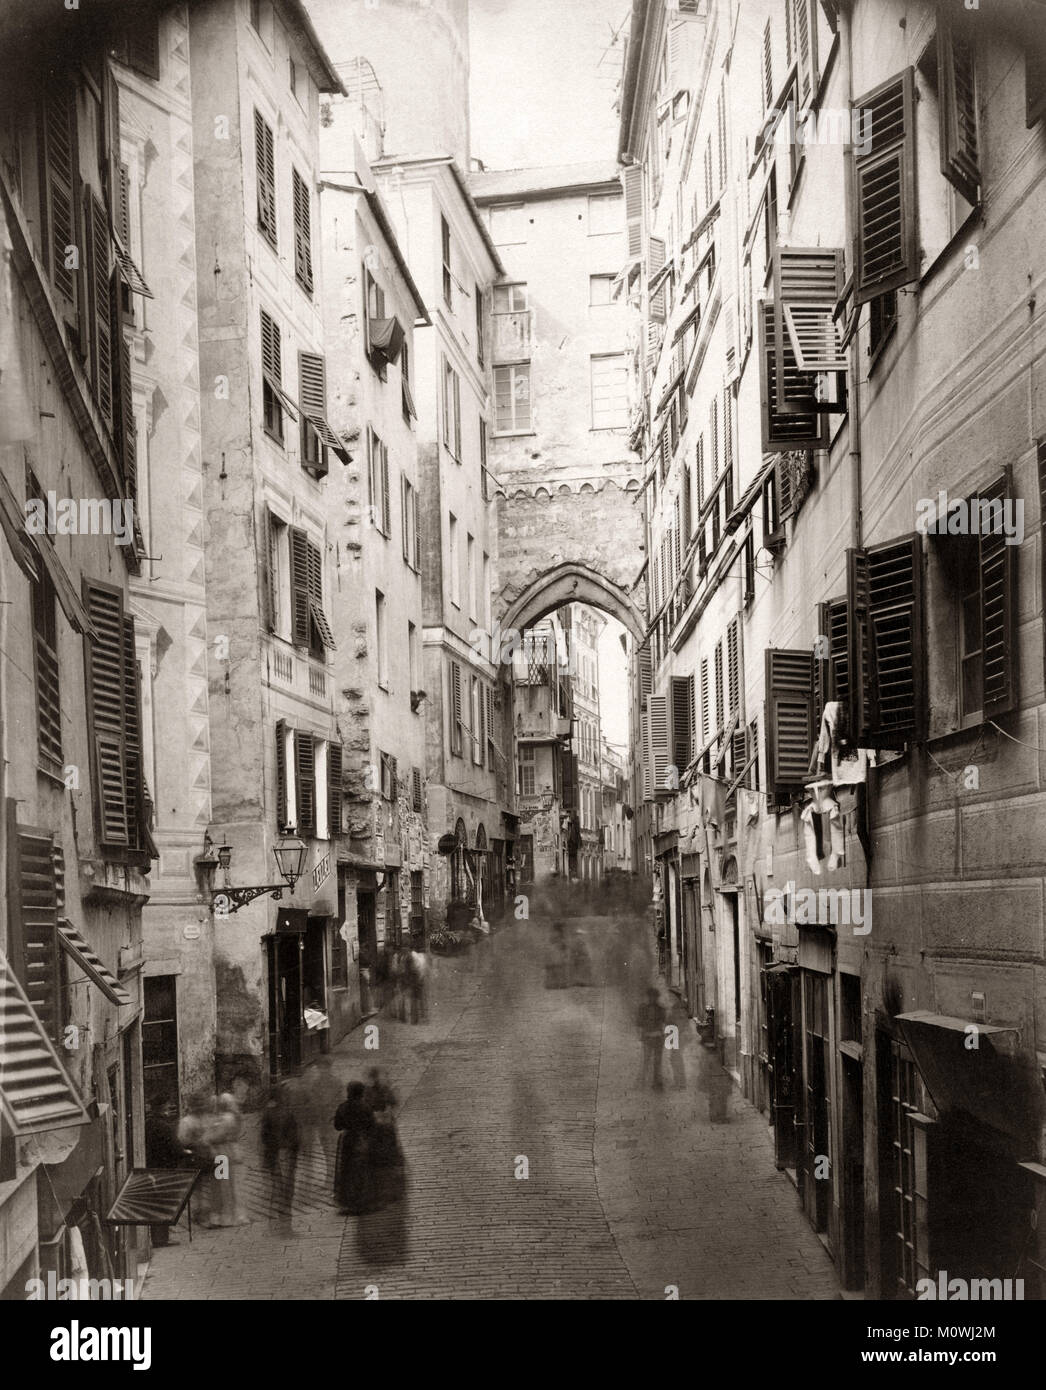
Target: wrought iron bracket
x=228, y=900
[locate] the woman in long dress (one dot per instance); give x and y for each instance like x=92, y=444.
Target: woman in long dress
x=353, y=1183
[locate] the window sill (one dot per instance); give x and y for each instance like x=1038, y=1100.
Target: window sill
x=515, y=434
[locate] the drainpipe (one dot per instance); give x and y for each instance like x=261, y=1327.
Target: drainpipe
x=853, y=375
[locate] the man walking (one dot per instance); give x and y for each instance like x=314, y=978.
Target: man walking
x=650, y=1019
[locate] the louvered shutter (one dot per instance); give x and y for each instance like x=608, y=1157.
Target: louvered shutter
x=688, y=507
x=632, y=182
x=682, y=721
x=781, y=429
x=122, y=205
x=302, y=233
x=658, y=728
x=101, y=327
x=125, y=433
x=721, y=134
x=957, y=107
x=646, y=671
x=455, y=707
x=281, y=776
x=61, y=168
x=334, y=789
x=300, y=596
x=416, y=792
x=728, y=445
x=116, y=172
x=134, y=768
x=386, y=508
x=312, y=380
x=656, y=258
x=832, y=665
x=886, y=651
x=405, y=507
x=789, y=719
x=768, y=68
x=106, y=703
x=720, y=707
x=733, y=671
x=997, y=563
x=705, y=729
x=33, y=897
x=316, y=610
x=887, y=242
x=713, y=435
x=305, y=781
x=644, y=734
x=804, y=27
x=267, y=563
x=265, y=164
x=46, y=670
x=807, y=284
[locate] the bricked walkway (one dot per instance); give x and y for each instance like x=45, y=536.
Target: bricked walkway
x=629, y=1191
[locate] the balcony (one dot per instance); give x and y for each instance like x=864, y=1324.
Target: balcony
x=511, y=336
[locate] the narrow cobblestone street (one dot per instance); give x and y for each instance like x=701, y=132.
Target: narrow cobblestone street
x=629, y=1190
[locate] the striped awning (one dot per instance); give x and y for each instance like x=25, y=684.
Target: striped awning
x=80, y=950
x=36, y=1092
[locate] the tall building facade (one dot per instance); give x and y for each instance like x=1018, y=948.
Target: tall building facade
x=542, y=741
x=829, y=211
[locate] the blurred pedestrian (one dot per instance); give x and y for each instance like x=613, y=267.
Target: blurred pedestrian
x=354, y=1120
x=162, y=1150
x=279, y=1137
x=417, y=974
x=557, y=963
x=320, y=1094
x=716, y=1084
x=650, y=1020
x=192, y=1136
x=223, y=1134
x=580, y=960
x=386, y=1156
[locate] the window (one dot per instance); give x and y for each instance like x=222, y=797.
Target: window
x=265, y=175
x=335, y=793
x=389, y=786
x=384, y=335
x=605, y=213
x=417, y=904
x=411, y=537
x=784, y=427
x=471, y=576
x=302, y=232
x=609, y=378
x=448, y=274
x=476, y=721
x=138, y=45
x=309, y=627
x=114, y=724
x=956, y=74
x=394, y=920
x=339, y=947
x=484, y=476
x=479, y=324
x=160, y=1040
x=508, y=224
x=527, y=769
x=789, y=720
x=455, y=709
x=510, y=299
x=484, y=605
x=412, y=658
x=378, y=484
x=454, y=561
x=274, y=400
x=409, y=410
x=452, y=410
x=297, y=82
x=45, y=660
x=887, y=240
x=380, y=640
x=512, y=398
x=600, y=290
x=316, y=434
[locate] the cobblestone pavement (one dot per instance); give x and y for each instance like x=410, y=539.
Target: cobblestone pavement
x=630, y=1192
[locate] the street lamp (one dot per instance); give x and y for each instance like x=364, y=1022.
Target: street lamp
x=290, y=855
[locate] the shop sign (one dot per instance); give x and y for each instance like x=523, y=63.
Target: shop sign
x=321, y=871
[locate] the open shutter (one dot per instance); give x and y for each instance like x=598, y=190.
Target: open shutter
x=455, y=707
x=733, y=668
x=61, y=168
x=804, y=27
x=265, y=164
x=783, y=429
x=415, y=787
x=660, y=759
x=417, y=530
x=33, y=901
x=125, y=433
x=312, y=397
x=106, y=704
x=300, y=595
x=656, y=263
x=134, y=770
x=267, y=569
x=405, y=504
x=646, y=671
x=334, y=790
x=302, y=233
x=316, y=609
x=807, y=284
x=997, y=563
x=789, y=719
x=386, y=507
x=644, y=737
x=305, y=781
x=682, y=721
x=281, y=776
x=632, y=182
x=705, y=715
x=887, y=243
x=960, y=163
x=886, y=651
x=101, y=325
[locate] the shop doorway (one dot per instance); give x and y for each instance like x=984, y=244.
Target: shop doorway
x=366, y=918
x=285, y=992
x=315, y=1039
x=816, y=1186
x=782, y=1008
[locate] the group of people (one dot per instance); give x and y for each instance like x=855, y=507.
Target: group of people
x=568, y=962
x=369, y=1170
x=401, y=976
x=206, y=1137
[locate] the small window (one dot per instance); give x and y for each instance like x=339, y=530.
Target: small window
x=512, y=398
x=510, y=299
x=451, y=410
x=389, y=788
x=380, y=642
x=527, y=770
x=479, y=325
x=606, y=214
x=609, y=378
x=600, y=290
x=274, y=401
x=454, y=561
x=448, y=273
x=508, y=224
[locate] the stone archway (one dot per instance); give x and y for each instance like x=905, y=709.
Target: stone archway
x=572, y=583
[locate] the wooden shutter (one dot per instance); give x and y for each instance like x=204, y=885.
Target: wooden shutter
x=125, y=433
x=997, y=563
x=334, y=789
x=720, y=707
x=713, y=435
x=312, y=397
x=300, y=596
x=807, y=284
x=733, y=671
x=265, y=163
x=316, y=610
x=789, y=719
x=784, y=429
x=768, y=68
x=804, y=26
x=457, y=416
x=305, y=780
x=682, y=721
x=646, y=671
x=632, y=182
x=97, y=224
x=416, y=792
x=142, y=38
x=281, y=776
x=267, y=566
x=705, y=729
x=644, y=736
x=658, y=729
x=957, y=106
x=302, y=233
x=33, y=898
x=134, y=768
x=417, y=530
x=688, y=506
x=455, y=707
x=886, y=665
x=656, y=261
x=106, y=705
x=61, y=175
x=405, y=508
x=887, y=242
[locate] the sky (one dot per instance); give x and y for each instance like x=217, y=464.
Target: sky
x=544, y=74
x=613, y=686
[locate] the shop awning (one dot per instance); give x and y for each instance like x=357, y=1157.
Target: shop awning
x=79, y=948
x=36, y=1092
x=977, y=1069
x=153, y=1197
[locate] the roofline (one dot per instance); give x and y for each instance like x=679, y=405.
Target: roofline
x=302, y=20
x=380, y=216
x=384, y=165
x=560, y=190
x=636, y=39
